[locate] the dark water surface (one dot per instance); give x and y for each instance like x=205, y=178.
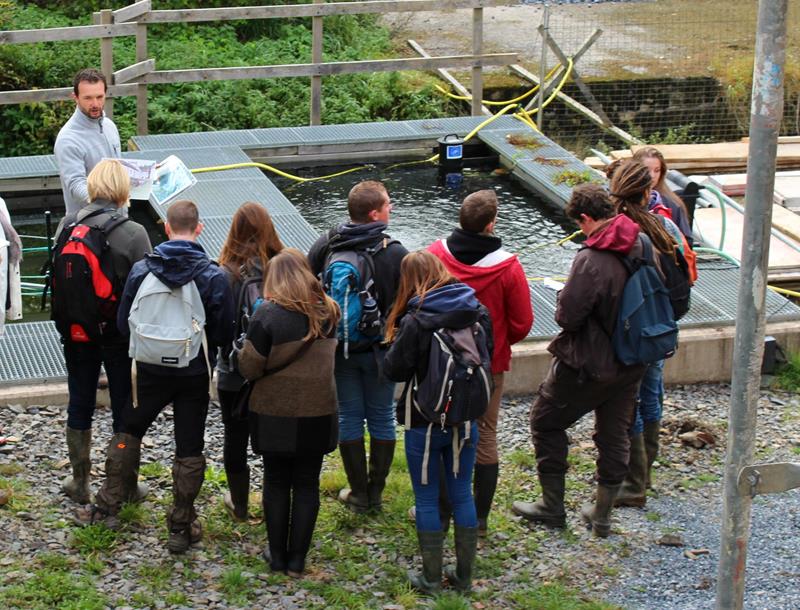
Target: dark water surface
x=424, y=210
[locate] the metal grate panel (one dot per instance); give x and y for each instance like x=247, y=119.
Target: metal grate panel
x=28, y=167
x=206, y=157
x=355, y=132
x=276, y=136
x=205, y=139
x=293, y=229
x=31, y=351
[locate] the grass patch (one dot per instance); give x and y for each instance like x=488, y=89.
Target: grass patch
x=53, y=588
x=653, y=517
x=571, y=177
x=555, y=597
x=522, y=458
x=96, y=538
x=788, y=377
x=154, y=470
x=133, y=513
x=19, y=498
x=236, y=586
x=9, y=470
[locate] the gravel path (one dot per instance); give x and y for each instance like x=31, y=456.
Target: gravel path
x=630, y=568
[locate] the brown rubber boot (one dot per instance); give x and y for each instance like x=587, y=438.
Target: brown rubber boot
x=354, y=459
x=460, y=577
x=79, y=447
x=187, y=479
x=122, y=467
x=238, y=494
x=652, y=430
x=598, y=515
x=549, y=509
x=633, y=491
x=430, y=579
x=381, y=454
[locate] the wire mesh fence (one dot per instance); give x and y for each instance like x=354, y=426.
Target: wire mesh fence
x=666, y=71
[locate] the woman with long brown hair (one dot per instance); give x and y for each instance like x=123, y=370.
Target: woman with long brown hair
x=429, y=298
x=252, y=241
x=288, y=356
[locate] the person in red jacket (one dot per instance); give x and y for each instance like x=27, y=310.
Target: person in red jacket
x=474, y=254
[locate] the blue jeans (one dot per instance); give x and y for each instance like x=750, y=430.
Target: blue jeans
x=83, y=370
x=459, y=488
x=651, y=397
x=364, y=394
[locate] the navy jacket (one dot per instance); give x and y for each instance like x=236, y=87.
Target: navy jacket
x=177, y=262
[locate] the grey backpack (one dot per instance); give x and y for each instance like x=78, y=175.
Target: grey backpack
x=167, y=324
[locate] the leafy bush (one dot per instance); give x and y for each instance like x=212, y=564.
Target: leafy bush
x=31, y=128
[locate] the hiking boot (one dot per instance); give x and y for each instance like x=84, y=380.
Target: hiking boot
x=460, y=577
x=122, y=467
x=597, y=516
x=430, y=579
x=652, y=430
x=633, y=492
x=354, y=459
x=79, y=446
x=187, y=479
x=238, y=494
x=92, y=514
x=381, y=454
x=179, y=541
x=484, y=486
x=549, y=509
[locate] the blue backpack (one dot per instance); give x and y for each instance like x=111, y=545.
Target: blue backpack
x=347, y=278
x=646, y=330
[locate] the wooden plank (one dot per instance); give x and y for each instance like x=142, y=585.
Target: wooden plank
x=731, y=152
x=313, y=10
x=477, y=70
x=54, y=95
x=327, y=69
x=142, y=127
x=132, y=11
x=80, y=32
x=107, y=59
x=134, y=71
x=445, y=74
x=580, y=108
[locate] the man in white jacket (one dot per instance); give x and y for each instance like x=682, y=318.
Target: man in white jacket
x=86, y=138
x=10, y=257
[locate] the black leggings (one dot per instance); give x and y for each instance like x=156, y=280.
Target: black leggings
x=189, y=398
x=237, y=434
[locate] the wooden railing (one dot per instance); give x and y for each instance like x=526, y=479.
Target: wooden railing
x=133, y=20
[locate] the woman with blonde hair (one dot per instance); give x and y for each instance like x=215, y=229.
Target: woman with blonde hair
x=86, y=349
x=252, y=241
x=288, y=357
x=429, y=298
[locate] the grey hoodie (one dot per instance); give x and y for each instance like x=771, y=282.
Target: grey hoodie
x=80, y=145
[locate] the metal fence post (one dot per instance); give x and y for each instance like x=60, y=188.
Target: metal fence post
x=316, y=58
x=765, y=121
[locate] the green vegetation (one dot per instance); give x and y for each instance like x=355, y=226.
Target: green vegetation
x=95, y=538
x=788, y=378
x=571, y=177
x=31, y=128
x=554, y=597
x=52, y=584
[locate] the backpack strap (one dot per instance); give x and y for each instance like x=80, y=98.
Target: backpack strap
x=426, y=455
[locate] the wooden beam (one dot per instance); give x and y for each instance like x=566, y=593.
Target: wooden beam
x=132, y=11
x=477, y=70
x=107, y=59
x=55, y=95
x=80, y=32
x=161, y=77
x=571, y=102
x=134, y=71
x=141, y=90
x=445, y=74
x=315, y=117
x=315, y=10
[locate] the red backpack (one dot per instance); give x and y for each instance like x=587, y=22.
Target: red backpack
x=85, y=290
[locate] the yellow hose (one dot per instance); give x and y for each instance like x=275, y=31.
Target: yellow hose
x=275, y=170
x=519, y=98
x=791, y=293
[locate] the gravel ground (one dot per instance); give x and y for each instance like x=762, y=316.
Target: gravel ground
x=630, y=568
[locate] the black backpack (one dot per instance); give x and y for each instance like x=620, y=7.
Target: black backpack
x=85, y=289
x=249, y=298
x=676, y=281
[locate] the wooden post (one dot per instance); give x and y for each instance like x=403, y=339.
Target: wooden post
x=316, y=58
x=107, y=58
x=141, y=90
x=543, y=67
x=477, y=70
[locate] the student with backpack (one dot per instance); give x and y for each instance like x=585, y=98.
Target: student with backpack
x=94, y=251
x=474, y=254
x=359, y=265
x=630, y=191
x=252, y=241
x=176, y=310
x=585, y=373
x=440, y=345
x=288, y=357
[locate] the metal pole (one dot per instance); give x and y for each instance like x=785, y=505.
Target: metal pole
x=543, y=66
x=477, y=70
x=765, y=120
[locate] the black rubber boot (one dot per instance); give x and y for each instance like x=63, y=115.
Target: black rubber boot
x=304, y=518
x=238, y=494
x=460, y=577
x=549, y=509
x=484, y=486
x=187, y=479
x=633, y=491
x=354, y=459
x=598, y=515
x=430, y=579
x=122, y=468
x=276, y=502
x=79, y=447
x=381, y=454
x=652, y=430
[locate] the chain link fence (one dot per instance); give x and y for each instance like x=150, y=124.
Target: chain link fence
x=665, y=71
